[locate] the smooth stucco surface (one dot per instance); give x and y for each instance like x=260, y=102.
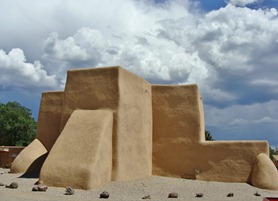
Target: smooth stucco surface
x=49, y=120
x=132, y=154
x=264, y=173
x=139, y=130
x=30, y=159
x=179, y=148
x=129, y=98
x=48, y=130
x=82, y=155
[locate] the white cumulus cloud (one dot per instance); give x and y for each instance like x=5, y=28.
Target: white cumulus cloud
x=231, y=53
x=238, y=115
x=17, y=73
x=211, y=50
x=150, y=56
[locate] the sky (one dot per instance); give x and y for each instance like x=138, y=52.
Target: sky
x=229, y=48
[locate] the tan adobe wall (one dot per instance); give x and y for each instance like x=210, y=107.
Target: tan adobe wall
x=48, y=129
x=179, y=147
x=82, y=155
x=132, y=153
x=125, y=94
x=228, y=161
x=90, y=89
x=49, y=120
x=8, y=154
x=30, y=159
x=155, y=129
x=264, y=173
x=177, y=114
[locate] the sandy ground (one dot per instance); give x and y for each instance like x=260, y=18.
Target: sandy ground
x=157, y=187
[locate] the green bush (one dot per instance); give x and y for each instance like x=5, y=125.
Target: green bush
x=17, y=126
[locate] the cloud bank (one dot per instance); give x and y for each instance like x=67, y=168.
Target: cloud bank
x=231, y=53
x=17, y=73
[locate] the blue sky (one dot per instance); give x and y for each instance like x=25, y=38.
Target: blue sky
x=229, y=48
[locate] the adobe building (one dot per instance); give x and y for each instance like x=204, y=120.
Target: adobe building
x=111, y=125
x=8, y=154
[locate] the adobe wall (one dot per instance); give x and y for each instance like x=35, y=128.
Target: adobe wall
x=132, y=154
x=216, y=161
x=154, y=129
x=30, y=159
x=179, y=145
x=264, y=173
x=226, y=161
x=177, y=114
x=125, y=94
x=90, y=89
x=8, y=154
x=49, y=119
x=82, y=155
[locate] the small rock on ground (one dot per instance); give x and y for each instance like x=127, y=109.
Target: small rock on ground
x=42, y=188
x=173, y=195
x=35, y=188
x=13, y=185
x=104, y=194
x=39, y=188
x=69, y=190
x=146, y=197
x=230, y=195
x=199, y=195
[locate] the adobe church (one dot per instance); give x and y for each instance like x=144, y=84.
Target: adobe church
x=112, y=125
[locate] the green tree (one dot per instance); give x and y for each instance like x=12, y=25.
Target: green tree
x=17, y=126
x=208, y=136
x=271, y=152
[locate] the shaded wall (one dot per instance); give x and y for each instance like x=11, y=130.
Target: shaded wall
x=155, y=129
x=132, y=154
x=82, y=155
x=49, y=119
x=129, y=98
x=30, y=159
x=179, y=147
x=8, y=154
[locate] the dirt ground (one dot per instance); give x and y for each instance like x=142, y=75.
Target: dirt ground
x=156, y=187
